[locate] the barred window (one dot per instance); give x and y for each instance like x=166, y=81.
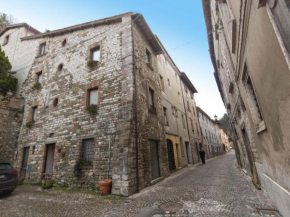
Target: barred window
x=88, y=150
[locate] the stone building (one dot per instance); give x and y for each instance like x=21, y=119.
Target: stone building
x=249, y=47
x=94, y=106
x=181, y=145
x=210, y=134
x=21, y=55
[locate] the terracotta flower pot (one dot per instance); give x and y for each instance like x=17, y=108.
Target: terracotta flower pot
x=48, y=183
x=105, y=186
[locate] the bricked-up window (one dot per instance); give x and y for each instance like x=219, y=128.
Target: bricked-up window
x=161, y=83
x=183, y=123
x=165, y=116
x=151, y=100
x=192, y=127
x=93, y=96
x=148, y=57
x=42, y=48
x=95, y=54
x=88, y=150
x=34, y=111
x=39, y=77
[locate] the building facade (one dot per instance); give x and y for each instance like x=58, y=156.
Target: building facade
x=211, y=134
x=20, y=55
x=249, y=47
x=94, y=107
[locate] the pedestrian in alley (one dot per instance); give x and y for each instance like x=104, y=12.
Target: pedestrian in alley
x=202, y=156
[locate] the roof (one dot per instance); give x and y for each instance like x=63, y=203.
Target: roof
x=18, y=25
x=104, y=21
x=140, y=21
x=188, y=83
x=205, y=114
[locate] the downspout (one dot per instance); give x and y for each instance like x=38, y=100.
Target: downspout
x=135, y=103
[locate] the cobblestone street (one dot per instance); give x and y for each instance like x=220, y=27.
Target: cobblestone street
x=217, y=188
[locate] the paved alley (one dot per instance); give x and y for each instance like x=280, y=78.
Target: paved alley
x=217, y=188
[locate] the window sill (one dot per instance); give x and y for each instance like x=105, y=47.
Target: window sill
x=40, y=55
x=149, y=66
x=94, y=66
x=261, y=127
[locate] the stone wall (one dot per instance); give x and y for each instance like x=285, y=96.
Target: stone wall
x=68, y=123
x=150, y=124
x=11, y=114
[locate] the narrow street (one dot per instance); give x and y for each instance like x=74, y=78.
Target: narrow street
x=217, y=188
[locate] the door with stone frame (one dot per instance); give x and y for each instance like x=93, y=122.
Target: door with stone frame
x=24, y=162
x=49, y=158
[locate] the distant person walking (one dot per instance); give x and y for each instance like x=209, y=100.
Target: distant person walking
x=202, y=156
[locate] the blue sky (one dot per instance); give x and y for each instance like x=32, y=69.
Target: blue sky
x=179, y=24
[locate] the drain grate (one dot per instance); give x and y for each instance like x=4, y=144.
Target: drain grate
x=269, y=212
x=171, y=206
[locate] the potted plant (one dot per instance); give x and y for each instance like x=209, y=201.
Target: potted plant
x=36, y=86
x=105, y=186
x=92, y=110
x=46, y=181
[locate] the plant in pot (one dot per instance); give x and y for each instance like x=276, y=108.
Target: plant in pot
x=47, y=181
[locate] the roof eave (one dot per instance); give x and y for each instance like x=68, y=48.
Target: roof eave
x=18, y=25
x=186, y=80
x=140, y=21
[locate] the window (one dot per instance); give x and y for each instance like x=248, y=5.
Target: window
x=42, y=49
x=95, y=54
x=34, y=111
x=253, y=102
x=55, y=102
x=188, y=107
x=185, y=88
x=176, y=77
x=183, y=123
x=63, y=43
x=39, y=77
x=191, y=95
x=88, y=150
x=148, y=57
x=165, y=116
x=151, y=100
x=168, y=81
x=192, y=125
x=33, y=149
x=60, y=67
x=6, y=39
x=193, y=110
x=179, y=97
x=93, y=97
x=161, y=83
x=197, y=128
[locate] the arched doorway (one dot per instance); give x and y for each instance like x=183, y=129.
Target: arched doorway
x=170, y=151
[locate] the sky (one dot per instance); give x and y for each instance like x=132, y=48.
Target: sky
x=179, y=25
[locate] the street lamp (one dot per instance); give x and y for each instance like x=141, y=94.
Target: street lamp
x=215, y=117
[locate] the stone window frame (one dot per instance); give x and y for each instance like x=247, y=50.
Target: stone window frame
x=183, y=121
x=38, y=71
x=247, y=81
x=192, y=126
x=148, y=59
x=161, y=79
x=91, y=47
x=165, y=114
x=151, y=109
x=91, y=86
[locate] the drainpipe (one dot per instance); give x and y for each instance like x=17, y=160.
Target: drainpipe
x=135, y=103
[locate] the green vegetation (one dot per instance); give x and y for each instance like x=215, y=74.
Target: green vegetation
x=92, y=110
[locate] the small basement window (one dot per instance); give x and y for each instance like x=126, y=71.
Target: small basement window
x=88, y=150
x=95, y=54
x=42, y=49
